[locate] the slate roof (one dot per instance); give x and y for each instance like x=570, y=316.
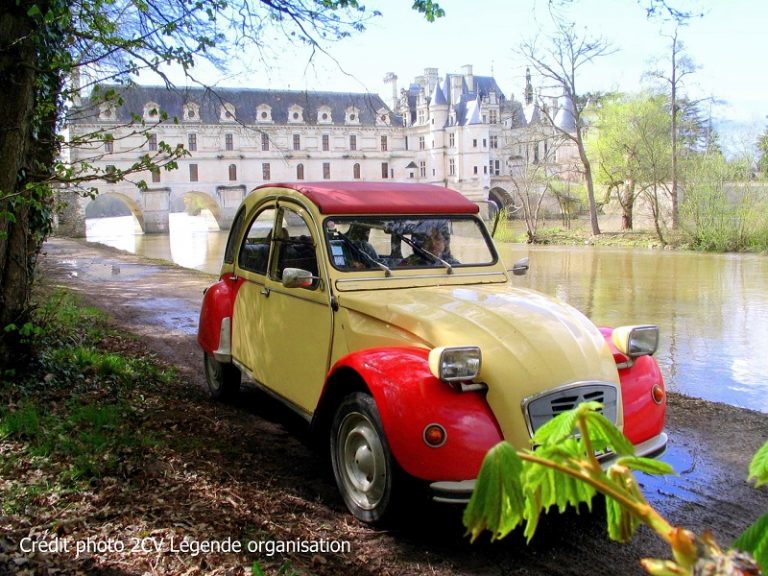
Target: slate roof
x=245, y=102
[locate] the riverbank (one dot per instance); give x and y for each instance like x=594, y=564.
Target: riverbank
x=212, y=472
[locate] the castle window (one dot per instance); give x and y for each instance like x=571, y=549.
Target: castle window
x=191, y=112
x=151, y=111
x=263, y=113
x=227, y=113
x=295, y=114
x=352, y=115
x=324, y=115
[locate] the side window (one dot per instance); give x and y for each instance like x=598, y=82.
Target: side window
x=295, y=246
x=254, y=252
x=234, y=234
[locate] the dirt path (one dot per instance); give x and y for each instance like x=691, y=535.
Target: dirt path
x=711, y=446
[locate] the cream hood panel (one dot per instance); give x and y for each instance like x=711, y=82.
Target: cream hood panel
x=530, y=342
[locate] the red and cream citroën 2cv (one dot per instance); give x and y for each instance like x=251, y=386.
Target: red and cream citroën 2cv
x=383, y=315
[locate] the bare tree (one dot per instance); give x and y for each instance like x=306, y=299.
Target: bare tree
x=559, y=61
x=534, y=172
x=680, y=67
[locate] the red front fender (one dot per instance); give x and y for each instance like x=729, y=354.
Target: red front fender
x=409, y=398
x=643, y=416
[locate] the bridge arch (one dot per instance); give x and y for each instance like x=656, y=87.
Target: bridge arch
x=502, y=197
x=127, y=201
x=194, y=201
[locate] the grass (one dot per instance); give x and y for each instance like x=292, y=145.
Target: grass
x=74, y=412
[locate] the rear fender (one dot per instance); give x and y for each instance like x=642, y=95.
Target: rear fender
x=643, y=416
x=409, y=398
x=214, y=329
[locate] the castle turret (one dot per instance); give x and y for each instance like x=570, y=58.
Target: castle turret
x=438, y=108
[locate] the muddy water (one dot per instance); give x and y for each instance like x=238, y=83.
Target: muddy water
x=712, y=309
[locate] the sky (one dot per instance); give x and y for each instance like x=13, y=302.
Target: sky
x=726, y=45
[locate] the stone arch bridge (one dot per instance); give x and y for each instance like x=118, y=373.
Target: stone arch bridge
x=150, y=207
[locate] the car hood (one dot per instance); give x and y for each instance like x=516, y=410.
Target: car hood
x=530, y=342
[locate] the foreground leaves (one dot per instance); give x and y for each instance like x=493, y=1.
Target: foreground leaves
x=755, y=539
x=563, y=470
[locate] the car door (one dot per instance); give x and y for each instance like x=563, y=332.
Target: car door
x=290, y=336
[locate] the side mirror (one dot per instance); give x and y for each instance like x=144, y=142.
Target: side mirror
x=297, y=278
x=520, y=267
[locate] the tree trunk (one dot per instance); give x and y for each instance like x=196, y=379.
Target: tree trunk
x=595, y=225
x=18, y=248
x=627, y=201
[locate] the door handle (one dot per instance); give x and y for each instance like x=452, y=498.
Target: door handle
x=265, y=291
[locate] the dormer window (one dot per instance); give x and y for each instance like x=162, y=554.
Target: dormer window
x=295, y=114
x=152, y=111
x=227, y=113
x=382, y=117
x=263, y=113
x=324, y=115
x=191, y=112
x=352, y=115
x=107, y=112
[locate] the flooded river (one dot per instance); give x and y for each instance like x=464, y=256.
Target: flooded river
x=712, y=309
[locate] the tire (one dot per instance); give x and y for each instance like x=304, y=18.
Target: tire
x=223, y=379
x=362, y=462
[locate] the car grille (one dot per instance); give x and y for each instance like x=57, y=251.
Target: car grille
x=543, y=407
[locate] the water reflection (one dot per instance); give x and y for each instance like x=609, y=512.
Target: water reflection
x=712, y=309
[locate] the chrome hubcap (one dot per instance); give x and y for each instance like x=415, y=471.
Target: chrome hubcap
x=361, y=461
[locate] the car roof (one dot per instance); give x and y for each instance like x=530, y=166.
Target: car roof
x=381, y=197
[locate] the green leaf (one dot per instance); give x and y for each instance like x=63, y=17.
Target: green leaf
x=647, y=465
x=497, y=501
x=755, y=541
x=546, y=486
x=606, y=436
x=561, y=426
x=622, y=523
x=758, y=469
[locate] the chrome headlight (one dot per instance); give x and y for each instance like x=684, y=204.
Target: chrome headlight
x=455, y=363
x=636, y=341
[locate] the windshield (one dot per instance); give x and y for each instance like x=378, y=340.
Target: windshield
x=389, y=243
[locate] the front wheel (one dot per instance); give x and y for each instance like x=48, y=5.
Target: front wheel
x=361, y=459
x=223, y=379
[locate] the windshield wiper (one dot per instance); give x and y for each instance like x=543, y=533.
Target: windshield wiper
x=423, y=252
x=362, y=253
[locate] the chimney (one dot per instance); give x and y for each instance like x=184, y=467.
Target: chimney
x=469, y=78
x=390, y=78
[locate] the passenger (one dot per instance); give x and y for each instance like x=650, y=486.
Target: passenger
x=434, y=243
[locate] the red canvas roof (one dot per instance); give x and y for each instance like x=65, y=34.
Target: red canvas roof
x=381, y=198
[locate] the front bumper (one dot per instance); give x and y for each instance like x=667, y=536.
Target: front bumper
x=459, y=492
